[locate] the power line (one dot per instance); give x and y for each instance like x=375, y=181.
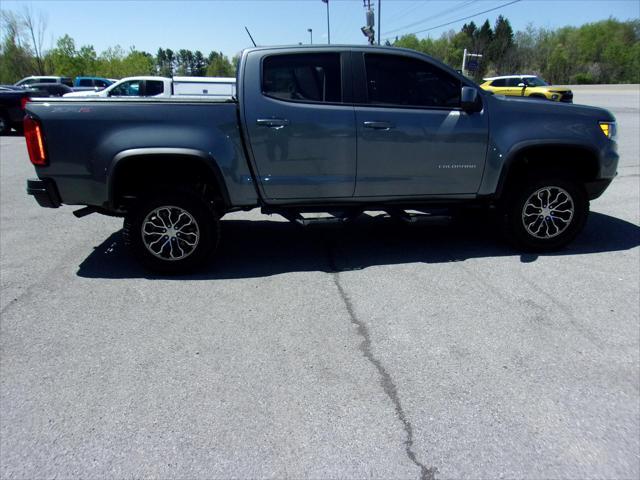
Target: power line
x=466, y=18
x=431, y=17
x=394, y=18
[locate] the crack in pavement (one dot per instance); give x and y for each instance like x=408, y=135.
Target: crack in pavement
x=389, y=387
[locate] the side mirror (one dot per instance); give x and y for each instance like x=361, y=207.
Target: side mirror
x=470, y=100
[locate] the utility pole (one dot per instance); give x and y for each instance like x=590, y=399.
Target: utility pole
x=379, y=19
x=328, y=27
x=310, y=30
x=368, y=30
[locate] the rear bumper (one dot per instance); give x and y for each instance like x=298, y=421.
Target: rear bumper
x=44, y=191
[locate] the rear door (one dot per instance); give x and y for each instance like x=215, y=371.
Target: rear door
x=300, y=123
x=499, y=86
x=413, y=137
x=514, y=88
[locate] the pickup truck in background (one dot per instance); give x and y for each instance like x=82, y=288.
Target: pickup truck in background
x=321, y=129
x=164, y=87
x=12, y=108
x=13, y=100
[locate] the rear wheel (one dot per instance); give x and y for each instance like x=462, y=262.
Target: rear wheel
x=546, y=214
x=172, y=232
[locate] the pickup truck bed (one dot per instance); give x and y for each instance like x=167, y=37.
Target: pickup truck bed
x=338, y=129
x=142, y=128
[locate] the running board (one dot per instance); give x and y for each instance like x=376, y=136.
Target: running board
x=83, y=212
x=298, y=219
x=420, y=217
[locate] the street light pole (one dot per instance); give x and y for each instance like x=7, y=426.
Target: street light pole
x=379, y=20
x=310, y=30
x=328, y=27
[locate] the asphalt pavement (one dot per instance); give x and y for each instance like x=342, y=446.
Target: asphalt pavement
x=379, y=351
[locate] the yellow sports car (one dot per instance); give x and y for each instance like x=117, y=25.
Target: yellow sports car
x=526, y=86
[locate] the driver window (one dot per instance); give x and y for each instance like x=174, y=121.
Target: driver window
x=405, y=81
x=127, y=89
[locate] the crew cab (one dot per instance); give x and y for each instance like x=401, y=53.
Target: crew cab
x=164, y=87
x=142, y=86
x=339, y=129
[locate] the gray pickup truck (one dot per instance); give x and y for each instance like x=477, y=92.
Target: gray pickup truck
x=339, y=129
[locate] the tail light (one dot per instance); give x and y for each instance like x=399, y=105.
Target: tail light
x=35, y=141
x=23, y=102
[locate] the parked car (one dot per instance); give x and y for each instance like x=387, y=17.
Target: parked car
x=165, y=87
x=321, y=129
x=94, y=83
x=49, y=89
x=526, y=86
x=25, y=82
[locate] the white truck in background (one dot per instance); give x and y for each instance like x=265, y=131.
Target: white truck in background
x=148, y=86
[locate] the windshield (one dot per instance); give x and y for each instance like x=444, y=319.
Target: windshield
x=534, y=82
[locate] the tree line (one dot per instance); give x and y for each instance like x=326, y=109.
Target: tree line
x=22, y=54
x=602, y=52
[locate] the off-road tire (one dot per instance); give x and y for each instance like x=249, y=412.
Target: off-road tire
x=537, y=229
x=159, y=212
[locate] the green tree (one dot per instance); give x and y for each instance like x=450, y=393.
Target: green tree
x=65, y=59
x=184, y=60
x=199, y=67
x=16, y=59
x=501, y=45
x=219, y=65
x=558, y=68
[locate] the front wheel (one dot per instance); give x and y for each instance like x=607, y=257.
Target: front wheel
x=171, y=232
x=546, y=214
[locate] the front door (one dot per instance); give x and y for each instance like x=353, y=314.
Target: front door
x=301, y=131
x=413, y=138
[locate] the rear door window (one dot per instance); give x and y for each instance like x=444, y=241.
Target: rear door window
x=85, y=82
x=405, y=81
x=153, y=87
x=314, y=77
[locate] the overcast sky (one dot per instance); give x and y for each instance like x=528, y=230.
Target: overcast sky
x=219, y=24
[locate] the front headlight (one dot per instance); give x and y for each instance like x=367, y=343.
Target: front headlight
x=555, y=97
x=609, y=129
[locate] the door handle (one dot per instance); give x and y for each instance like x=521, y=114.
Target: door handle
x=276, y=123
x=379, y=125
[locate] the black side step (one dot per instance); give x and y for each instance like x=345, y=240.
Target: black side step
x=83, y=212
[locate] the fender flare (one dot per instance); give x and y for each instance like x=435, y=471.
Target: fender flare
x=201, y=157
x=519, y=148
